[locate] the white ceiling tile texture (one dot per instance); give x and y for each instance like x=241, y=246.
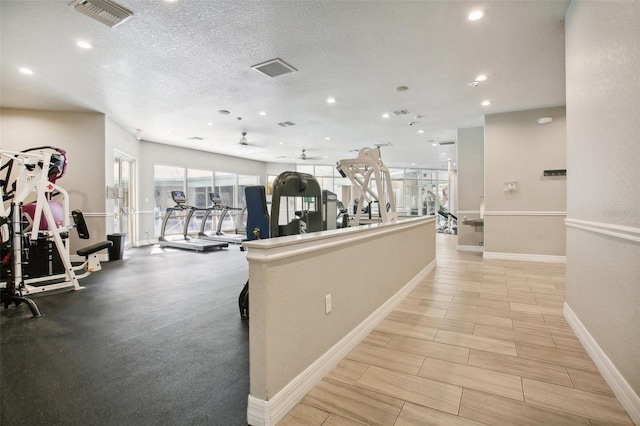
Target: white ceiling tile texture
x=172, y=66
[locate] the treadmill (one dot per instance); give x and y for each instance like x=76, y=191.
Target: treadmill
x=184, y=241
x=218, y=235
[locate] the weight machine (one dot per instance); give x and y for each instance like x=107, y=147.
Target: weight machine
x=35, y=235
x=300, y=196
x=372, y=181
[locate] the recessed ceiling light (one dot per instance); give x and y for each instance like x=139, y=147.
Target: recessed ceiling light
x=385, y=116
x=420, y=131
x=331, y=100
x=210, y=123
x=486, y=103
x=280, y=143
x=327, y=138
x=475, y=15
x=481, y=77
x=84, y=44
x=434, y=144
x=24, y=70
x=262, y=113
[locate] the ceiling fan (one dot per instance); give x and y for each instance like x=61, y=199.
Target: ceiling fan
x=244, y=142
x=304, y=156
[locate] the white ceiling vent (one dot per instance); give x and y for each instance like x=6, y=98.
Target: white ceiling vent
x=286, y=124
x=105, y=11
x=274, y=68
x=447, y=143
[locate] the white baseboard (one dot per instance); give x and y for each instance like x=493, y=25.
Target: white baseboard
x=476, y=249
x=629, y=400
x=146, y=242
x=523, y=257
x=269, y=413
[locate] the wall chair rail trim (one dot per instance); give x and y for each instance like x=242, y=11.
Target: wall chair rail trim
x=622, y=232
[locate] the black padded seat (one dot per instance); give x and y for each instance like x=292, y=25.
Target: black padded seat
x=86, y=251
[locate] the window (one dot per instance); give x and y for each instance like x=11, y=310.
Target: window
x=240, y=216
x=199, y=186
x=243, y=182
x=225, y=184
x=417, y=192
x=166, y=179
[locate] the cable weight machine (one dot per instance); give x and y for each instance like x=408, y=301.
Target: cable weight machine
x=31, y=227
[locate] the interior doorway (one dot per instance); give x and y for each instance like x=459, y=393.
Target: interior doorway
x=124, y=218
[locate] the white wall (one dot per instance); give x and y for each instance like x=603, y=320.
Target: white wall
x=526, y=224
x=276, y=168
x=289, y=279
x=470, y=187
x=603, y=194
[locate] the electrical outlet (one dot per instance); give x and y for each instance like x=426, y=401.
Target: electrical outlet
x=327, y=303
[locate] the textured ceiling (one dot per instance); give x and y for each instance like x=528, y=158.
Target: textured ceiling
x=171, y=67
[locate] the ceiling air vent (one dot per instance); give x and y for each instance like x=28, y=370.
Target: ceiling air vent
x=447, y=143
x=274, y=68
x=286, y=124
x=105, y=11
x=401, y=112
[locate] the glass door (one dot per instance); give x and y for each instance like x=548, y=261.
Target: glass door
x=124, y=217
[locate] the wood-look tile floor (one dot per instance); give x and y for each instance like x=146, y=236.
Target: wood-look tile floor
x=477, y=342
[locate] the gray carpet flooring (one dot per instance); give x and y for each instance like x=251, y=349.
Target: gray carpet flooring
x=153, y=339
